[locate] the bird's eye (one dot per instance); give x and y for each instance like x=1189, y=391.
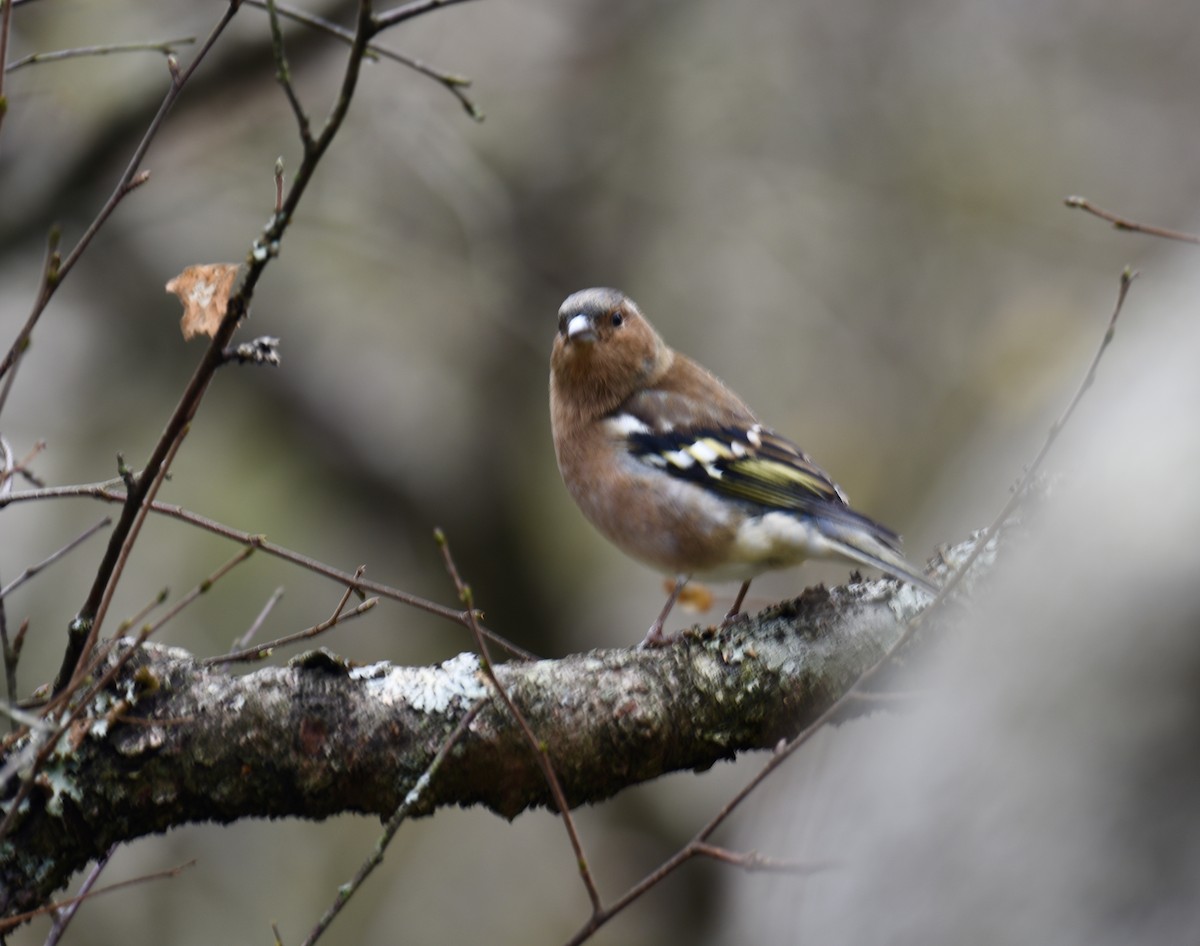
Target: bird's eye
x=617, y=319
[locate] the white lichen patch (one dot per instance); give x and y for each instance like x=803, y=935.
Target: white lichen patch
x=160, y=650
x=455, y=683
x=371, y=671
x=60, y=783
x=414, y=794
x=906, y=600
x=709, y=668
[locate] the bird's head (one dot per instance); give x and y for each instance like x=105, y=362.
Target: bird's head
x=605, y=350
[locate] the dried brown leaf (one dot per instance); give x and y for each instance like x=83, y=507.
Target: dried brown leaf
x=204, y=291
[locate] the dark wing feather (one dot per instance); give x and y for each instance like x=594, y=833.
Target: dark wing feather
x=754, y=465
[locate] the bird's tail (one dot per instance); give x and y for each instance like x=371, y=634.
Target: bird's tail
x=866, y=542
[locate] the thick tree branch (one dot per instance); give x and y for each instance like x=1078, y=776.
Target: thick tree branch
x=174, y=740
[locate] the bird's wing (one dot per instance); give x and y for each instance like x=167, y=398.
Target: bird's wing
x=720, y=451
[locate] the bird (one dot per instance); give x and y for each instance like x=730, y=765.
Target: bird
x=674, y=469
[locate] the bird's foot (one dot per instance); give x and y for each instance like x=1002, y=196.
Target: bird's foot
x=655, y=638
x=735, y=612
x=730, y=619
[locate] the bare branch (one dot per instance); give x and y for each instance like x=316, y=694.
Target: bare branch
x=279, y=179
x=166, y=47
x=753, y=861
x=141, y=614
x=1018, y=493
x=64, y=911
x=9, y=469
x=72, y=902
x=246, y=638
x=202, y=588
x=456, y=85
x=32, y=570
x=1122, y=223
x=263, y=651
x=125, y=183
x=11, y=659
x=5, y=29
x=283, y=75
x=409, y=10
x=85, y=629
x=411, y=799
x=106, y=492
x=11, y=653
x=608, y=719
x=51, y=273
x=538, y=747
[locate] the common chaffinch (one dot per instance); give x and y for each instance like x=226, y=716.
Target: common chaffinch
x=677, y=472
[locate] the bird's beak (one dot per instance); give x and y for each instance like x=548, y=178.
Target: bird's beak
x=579, y=329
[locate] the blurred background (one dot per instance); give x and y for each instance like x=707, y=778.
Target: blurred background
x=852, y=212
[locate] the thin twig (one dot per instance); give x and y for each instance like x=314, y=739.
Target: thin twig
x=409, y=10
x=51, y=273
x=245, y=639
x=202, y=588
x=19, y=715
x=32, y=727
x=77, y=652
x=5, y=28
x=66, y=911
x=130, y=178
x=321, y=24
x=106, y=491
x=22, y=466
x=346, y=891
x=283, y=76
x=454, y=84
x=11, y=658
x=1018, y=492
x=140, y=615
x=279, y=180
x=753, y=861
x=32, y=570
x=8, y=466
x=1122, y=223
x=12, y=922
x=263, y=651
x=166, y=47
x=539, y=750
x=697, y=846
x=350, y=588
x=12, y=653
x=19, y=641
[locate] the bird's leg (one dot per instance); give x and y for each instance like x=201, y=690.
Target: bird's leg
x=655, y=636
x=737, y=603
